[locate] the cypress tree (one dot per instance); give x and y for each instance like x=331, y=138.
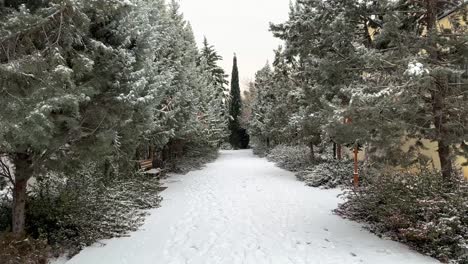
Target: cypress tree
x=235, y=107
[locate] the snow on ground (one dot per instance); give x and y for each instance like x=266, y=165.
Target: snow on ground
x=243, y=209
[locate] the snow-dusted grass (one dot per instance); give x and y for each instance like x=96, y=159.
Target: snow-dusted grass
x=244, y=209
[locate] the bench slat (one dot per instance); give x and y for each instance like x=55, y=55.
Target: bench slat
x=153, y=171
x=146, y=164
x=147, y=168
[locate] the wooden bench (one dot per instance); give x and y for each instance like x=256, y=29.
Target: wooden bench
x=146, y=166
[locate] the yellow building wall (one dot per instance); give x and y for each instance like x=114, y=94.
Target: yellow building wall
x=460, y=17
x=430, y=151
x=431, y=147
x=445, y=23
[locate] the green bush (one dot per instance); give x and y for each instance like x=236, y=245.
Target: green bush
x=422, y=210
x=292, y=158
x=328, y=174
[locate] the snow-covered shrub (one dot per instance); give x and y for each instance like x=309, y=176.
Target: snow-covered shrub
x=328, y=174
x=321, y=172
x=193, y=158
x=26, y=251
x=259, y=148
x=422, y=210
x=76, y=211
x=292, y=158
x=226, y=146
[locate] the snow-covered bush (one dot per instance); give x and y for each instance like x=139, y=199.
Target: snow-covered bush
x=76, y=211
x=260, y=150
x=321, y=172
x=193, y=158
x=259, y=147
x=226, y=146
x=423, y=210
x=292, y=158
x=328, y=174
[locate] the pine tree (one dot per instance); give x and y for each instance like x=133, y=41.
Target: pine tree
x=212, y=58
x=60, y=93
x=263, y=104
x=214, y=93
x=375, y=90
x=109, y=79
x=430, y=69
x=324, y=63
x=235, y=107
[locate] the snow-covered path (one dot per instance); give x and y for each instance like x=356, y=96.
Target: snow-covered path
x=243, y=209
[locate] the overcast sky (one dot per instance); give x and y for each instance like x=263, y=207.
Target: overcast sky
x=240, y=26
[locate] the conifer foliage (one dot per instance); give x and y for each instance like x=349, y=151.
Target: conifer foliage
x=387, y=78
x=100, y=82
x=238, y=135
x=371, y=74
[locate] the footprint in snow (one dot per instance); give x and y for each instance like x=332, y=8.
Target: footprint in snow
x=194, y=247
x=384, y=251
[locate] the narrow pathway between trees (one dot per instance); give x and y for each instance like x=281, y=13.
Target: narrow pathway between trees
x=243, y=209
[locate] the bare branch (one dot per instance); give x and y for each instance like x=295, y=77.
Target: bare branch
x=5, y=171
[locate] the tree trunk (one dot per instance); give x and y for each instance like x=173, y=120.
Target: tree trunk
x=23, y=172
x=441, y=133
x=445, y=160
x=439, y=91
x=366, y=158
x=334, y=150
x=19, y=207
x=339, y=152
x=312, y=152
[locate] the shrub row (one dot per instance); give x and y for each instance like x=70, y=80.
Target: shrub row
x=420, y=209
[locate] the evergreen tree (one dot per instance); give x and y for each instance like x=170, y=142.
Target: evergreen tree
x=59, y=94
x=212, y=58
x=109, y=79
x=327, y=61
x=426, y=77
x=235, y=107
x=263, y=104
x=371, y=73
x=214, y=93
